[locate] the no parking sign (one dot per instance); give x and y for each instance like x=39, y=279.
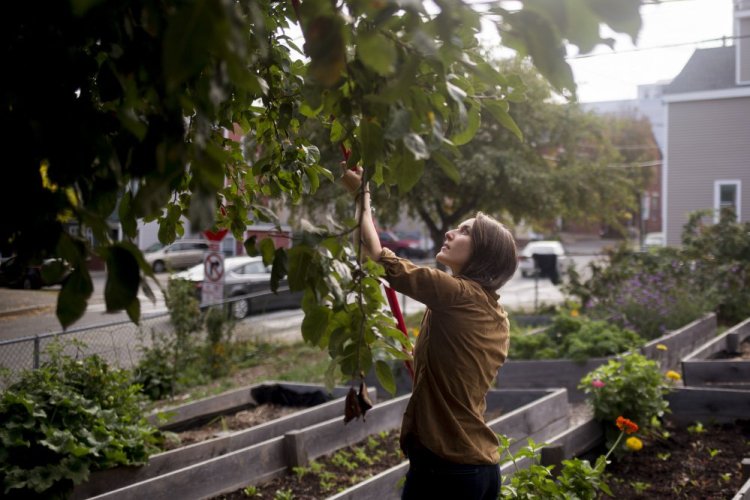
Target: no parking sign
x=213, y=270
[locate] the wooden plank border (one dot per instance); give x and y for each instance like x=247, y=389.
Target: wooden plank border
x=691, y=404
x=274, y=457
x=172, y=460
x=699, y=371
x=541, y=418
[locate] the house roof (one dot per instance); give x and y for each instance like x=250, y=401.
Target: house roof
x=707, y=69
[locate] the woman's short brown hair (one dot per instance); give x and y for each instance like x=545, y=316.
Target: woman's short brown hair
x=494, y=257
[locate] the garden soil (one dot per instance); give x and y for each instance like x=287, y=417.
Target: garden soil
x=694, y=462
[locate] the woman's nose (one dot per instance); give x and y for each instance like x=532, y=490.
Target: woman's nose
x=448, y=235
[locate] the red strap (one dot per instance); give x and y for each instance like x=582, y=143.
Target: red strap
x=390, y=293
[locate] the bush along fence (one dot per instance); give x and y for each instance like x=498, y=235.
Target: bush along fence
x=667, y=350
x=536, y=413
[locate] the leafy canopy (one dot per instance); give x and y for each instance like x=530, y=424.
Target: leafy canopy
x=122, y=109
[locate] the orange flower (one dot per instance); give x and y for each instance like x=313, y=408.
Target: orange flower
x=574, y=313
x=625, y=425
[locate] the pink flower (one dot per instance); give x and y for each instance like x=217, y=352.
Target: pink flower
x=598, y=383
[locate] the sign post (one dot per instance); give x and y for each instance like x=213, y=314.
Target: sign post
x=212, y=291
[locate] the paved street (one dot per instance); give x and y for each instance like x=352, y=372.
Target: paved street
x=25, y=313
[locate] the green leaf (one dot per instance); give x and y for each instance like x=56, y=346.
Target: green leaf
x=447, y=166
x=499, y=111
x=371, y=135
x=315, y=324
x=123, y=279
x=71, y=302
x=134, y=310
x=377, y=52
x=408, y=172
x=324, y=44
x=473, y=120
x=385, y=376
x=127, y=216
x=189, y=40
x=300, y=259
x=267, y=250
x=279, y=268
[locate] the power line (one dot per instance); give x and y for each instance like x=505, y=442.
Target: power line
x=722, y=39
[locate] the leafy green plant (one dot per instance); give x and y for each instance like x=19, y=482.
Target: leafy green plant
x=696, y=428
x=630, y=385
x=218, y=339
x=250, y=491
x=283, y=495
x=576, y=337
x=640, y=487
x=68, y=418
x=577, y=478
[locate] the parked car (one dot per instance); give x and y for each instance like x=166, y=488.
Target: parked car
x=243, y=276
x=653, y=240
x=33, y=276
x=403, y=247
x=544, y=247
x=178, y=255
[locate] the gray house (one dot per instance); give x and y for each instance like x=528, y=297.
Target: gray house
x=707, y=160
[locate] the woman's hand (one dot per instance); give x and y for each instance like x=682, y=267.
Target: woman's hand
x=351, y=178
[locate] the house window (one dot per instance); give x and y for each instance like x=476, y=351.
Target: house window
x=727, y=196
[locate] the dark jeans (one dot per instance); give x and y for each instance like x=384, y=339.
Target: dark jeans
x=434, y=478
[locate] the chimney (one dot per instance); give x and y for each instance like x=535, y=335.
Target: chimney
x=742, y=36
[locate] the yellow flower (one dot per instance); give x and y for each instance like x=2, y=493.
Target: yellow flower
x=673, y=375
x=662, y=347
x=415, y=331
x=574, y=313
x=633, y=444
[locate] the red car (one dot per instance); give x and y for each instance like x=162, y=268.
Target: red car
x=402, y=247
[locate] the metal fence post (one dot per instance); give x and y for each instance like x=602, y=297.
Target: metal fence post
x=36, y=351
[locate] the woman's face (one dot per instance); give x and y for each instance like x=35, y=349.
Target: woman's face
x=456, y=249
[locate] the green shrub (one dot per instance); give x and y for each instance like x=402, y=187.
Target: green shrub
x=632, y=385
x=173, y=360
x=575, y=337
x=66, y=419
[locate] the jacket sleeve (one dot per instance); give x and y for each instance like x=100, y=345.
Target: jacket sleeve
x=432, y=287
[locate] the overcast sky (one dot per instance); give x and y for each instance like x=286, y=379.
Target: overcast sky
x=613, y=76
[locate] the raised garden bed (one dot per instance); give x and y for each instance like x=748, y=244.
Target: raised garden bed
x=539, y=419
x=526, y=412
x=568, y=373
x=199, y=412
x=722, y=362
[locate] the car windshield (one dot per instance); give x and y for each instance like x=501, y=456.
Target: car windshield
x=154, y=247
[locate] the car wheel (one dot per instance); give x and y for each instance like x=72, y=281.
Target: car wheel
x=239, y=309
x=159, y=267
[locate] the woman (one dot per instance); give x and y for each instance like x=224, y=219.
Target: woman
x=463, y=341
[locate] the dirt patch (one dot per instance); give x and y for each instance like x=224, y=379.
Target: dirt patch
x=331, y=474
x=227, y=424
x=691, y=462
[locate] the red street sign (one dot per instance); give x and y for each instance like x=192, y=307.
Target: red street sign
x=216, y=236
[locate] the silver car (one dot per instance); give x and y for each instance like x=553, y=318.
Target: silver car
x=247, y=276
x=178, y=255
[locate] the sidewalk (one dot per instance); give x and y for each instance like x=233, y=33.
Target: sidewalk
x=14, y=302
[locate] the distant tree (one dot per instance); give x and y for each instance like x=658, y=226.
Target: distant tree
x=562, y=168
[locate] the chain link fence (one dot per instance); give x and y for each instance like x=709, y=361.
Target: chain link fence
x=122, y=343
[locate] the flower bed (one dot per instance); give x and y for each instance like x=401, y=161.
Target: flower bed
x=690, y=461
x=723, y=362
x=568, y=373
